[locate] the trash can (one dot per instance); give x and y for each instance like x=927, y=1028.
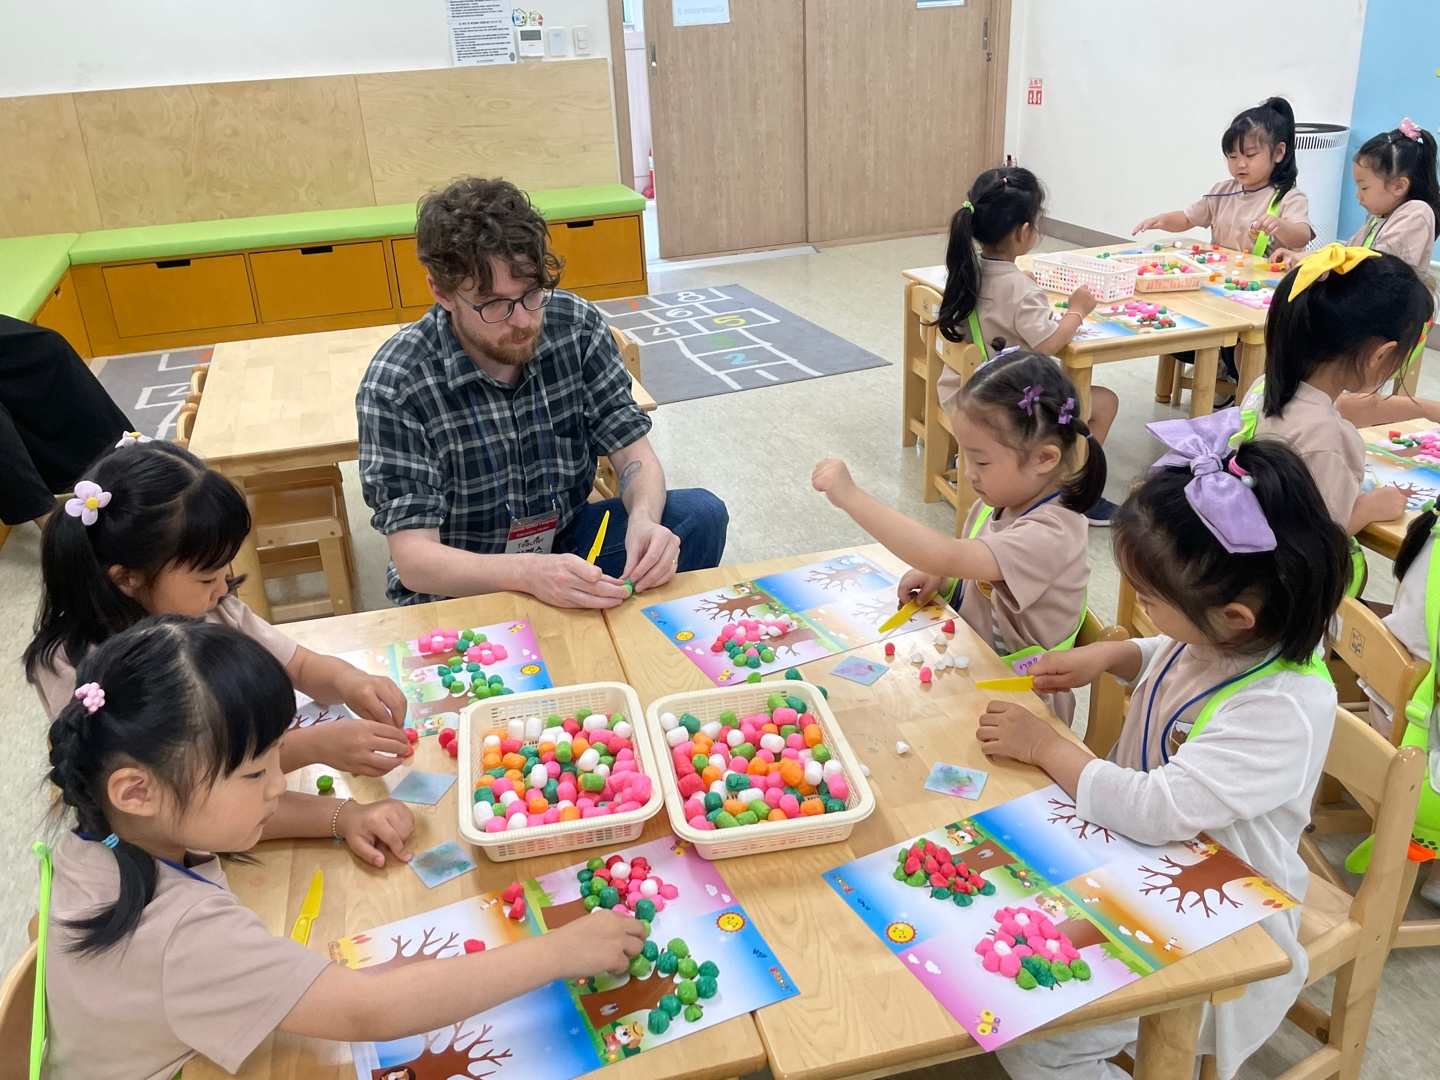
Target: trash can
x=1320, y=150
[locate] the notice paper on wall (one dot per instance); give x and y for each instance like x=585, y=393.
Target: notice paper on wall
x=701, y=12
x=939, y=3
x=480, y=32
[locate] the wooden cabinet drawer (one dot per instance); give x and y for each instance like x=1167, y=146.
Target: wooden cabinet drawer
x=605, y=251
x=179, y=294
x=324, y=279
x=414, y=292
x=61, y=313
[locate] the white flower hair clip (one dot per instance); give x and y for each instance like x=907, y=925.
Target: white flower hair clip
x=131, y=438
x=88, y=500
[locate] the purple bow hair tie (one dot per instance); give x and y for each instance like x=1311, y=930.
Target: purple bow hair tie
x=1223, y=501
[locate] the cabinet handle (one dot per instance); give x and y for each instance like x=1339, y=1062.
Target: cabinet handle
x=580, y=224
x=323, y=249
x=171, y=264
x=654, y=67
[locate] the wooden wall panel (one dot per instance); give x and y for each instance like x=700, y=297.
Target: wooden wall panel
x=44, y=177
x=897, y=122
x=223, y=150
x=541, y=126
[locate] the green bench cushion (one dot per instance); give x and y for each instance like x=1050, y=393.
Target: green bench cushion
x=318, y=227
x=30, y=266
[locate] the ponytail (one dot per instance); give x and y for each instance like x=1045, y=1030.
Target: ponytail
x=998, y=203
x=1408, y=151
x=1416, y=534
x=1273, y=120
x=1084, y=489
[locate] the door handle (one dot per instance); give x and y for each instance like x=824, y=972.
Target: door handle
x=654, y=67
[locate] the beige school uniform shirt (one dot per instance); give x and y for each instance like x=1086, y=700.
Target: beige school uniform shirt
x=1329, y=445
x=1247, y=781
x=200, y=975
x=56, y=684
x=1229, y=209
x=1408, y=234
x=1012, y=310
x=1044, y=574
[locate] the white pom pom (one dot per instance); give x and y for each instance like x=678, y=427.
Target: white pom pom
x=669, y=721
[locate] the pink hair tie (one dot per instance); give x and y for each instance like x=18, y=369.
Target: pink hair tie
x=92, y=696
x=1236, y=470
x=1410, y=129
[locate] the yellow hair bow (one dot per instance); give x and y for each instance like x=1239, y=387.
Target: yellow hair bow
x=1335, y=257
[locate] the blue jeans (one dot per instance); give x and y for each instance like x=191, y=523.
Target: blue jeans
x=695, y=515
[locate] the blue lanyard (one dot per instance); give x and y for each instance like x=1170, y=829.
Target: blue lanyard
x=1175, y=716
x=168, y=862
x=960, y=595
x=544, y=448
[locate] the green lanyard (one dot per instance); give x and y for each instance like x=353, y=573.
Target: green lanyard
x=1262, y=241
x=976, y=338
x=1314, y=666
x=38, y=1018
x=1375, y=224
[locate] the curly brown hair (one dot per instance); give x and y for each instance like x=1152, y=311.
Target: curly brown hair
x=473, y=220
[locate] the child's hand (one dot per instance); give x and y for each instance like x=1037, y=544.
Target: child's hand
x=1066, y=669
x=1268, y=224
x=1286, y=257
x=1010, y=730
x=832, y=479
x=918, y=586
x=598, y=943
x=1385, y=503
x=363, y=826
x=1146, y=225
x=374, y=697
x=361, y=746
x=1082, y=301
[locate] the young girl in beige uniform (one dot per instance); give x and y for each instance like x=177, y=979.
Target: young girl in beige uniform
x=1018, y=575
x=1231, y=711
x=992, y=303
x=169, y=751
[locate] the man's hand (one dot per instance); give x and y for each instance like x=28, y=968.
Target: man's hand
x=652, y=552
x=568, y=581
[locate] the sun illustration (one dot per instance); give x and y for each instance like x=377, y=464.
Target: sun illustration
x=901, y=933
x=732, y=922
x=530, y=669
x=685, y=635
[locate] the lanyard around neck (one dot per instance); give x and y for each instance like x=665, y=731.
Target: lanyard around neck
x=1175, y=716
x=544, y=447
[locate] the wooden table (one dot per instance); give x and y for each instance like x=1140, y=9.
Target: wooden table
x=577, y=648
x=859, y=1012
x=1387, y=536
x=289, y=403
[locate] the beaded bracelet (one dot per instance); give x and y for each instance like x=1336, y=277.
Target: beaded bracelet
x=335, y=819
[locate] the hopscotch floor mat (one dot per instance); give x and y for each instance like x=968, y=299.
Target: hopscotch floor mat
x=703, y=342
x=150, y=387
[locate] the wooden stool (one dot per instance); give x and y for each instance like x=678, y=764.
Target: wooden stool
x=302, y=530
x=1171, y=381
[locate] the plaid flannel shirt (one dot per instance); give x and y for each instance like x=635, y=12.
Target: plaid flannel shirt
x=424, y=462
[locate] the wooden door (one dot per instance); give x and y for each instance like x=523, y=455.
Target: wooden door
x=901, y=111
x=727, y=111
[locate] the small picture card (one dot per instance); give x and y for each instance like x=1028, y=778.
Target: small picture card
x=956, y=780
x=858, y=669
x=427, y=788
x=442, y=863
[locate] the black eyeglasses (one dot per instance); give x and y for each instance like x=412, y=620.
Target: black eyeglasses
x=497, y=311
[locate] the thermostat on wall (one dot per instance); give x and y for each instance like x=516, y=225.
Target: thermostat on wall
x=532, y=41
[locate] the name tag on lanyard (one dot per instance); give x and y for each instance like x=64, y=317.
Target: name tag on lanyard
x=532, y=535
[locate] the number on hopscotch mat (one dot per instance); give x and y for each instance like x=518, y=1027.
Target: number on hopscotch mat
x=679, y=313
x=738, y=358
x=692, y=298
x=728, y=320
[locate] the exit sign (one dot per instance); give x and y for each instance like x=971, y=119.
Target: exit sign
x=1035, y=94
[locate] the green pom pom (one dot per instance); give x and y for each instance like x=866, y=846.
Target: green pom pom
x=823, y=692
x=699, y=761
x=713, y=800
x=725, y=820
x=645, y=909
x=710, y=970
x=581, y=715
x=585, y=876
x=668, y=963
x=748, y=817
x=484, y=794
x=1024, y=980
x=774, y=701
x=753, y=677
x=591, y=902
x=679, y=948
x=737, y=782
x=833, y=806
x=693, y=1013
x=687, y=992
x=690, y=723
x=609, y=897
x=767, y=656
x=671, y=1004
x=800, y=705
x=650, y=951
x=900, y=874
x=940, y=894
x=729, y=719
x=595, y=864
x=658, y=1021
x=917, y=879
x=961, y=899
x=988, y=889
x=1062, y=972
x=793, y=674
x=1080, y=969
x=707, y=986
x=564, y=754
x=639, y=967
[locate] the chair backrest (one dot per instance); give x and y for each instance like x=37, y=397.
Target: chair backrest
x=1376, y=655
x=629, y=351
x=197, y=380
x=1107, y=700
x=185, y=424
x=17, y=1004
x=1386, y=783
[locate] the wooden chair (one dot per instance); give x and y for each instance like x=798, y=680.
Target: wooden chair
x=607, y=484
x=629, y=347
x=942, y=481
x=17, y=1006
x=1180, y=382
x=1350, y=936
x=1128, y=615
x=1107, y=699
x=198, y=376
x=185, y=424
x=924, y=302
x=302, y=529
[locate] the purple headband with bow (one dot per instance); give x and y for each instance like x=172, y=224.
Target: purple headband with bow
x=1223, y=501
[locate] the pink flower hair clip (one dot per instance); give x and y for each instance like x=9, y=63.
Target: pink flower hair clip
x=92, y=696
x=132, y=438
x=1410, y=129
x=88, y=500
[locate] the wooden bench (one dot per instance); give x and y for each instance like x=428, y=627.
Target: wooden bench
x=36, y=286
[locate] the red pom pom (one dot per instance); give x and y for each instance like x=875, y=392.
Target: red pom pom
x=474, y=945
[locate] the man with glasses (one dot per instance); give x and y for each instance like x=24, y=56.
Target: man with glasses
x=480, y=425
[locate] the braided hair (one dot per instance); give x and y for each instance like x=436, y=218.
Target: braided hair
x=1024, y=398
x=186, y=700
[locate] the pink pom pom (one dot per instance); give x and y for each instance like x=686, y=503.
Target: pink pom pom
x=551, y=816
x=790, y=805
x=669, y=892
x=772, y=797
x=641, y=788
x=698, y=821
x=629, y=806
x=839, y=789
x=783, y=716
x=501, y=653
x=594, y=812
x=571, y=728
x=495, y=824
x=516, y=807
x=1010, y=965
x=991, y=962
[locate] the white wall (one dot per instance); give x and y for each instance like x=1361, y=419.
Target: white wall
x=56, y=46
x=1138, y=92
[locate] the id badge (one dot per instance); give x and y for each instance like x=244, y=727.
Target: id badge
x=532, y=535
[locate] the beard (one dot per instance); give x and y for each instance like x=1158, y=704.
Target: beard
x=516, y=349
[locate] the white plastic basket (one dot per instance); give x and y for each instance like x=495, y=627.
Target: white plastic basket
x=493, y=714
x=1198, y=276
x=707, y=705
x=1066, y=271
